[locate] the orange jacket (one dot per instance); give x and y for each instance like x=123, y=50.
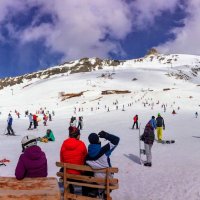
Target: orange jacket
x=73, y=151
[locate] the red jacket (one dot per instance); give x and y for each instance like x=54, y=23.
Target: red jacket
x=135, y=119
x=35, y=117
x=73, y=151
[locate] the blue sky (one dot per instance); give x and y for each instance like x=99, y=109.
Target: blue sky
x=36, y=34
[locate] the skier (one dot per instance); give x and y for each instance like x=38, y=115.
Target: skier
x=45, y=118
x=30, y=120
x=135, y=120
x=148, y=139
x=99, y=157
x=9, y=127
x=50, y=118
x=35, y=123
x=196, y=114
x=160, y=126
x=32, y=162
x=80, y=123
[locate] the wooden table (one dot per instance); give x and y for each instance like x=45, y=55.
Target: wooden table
x=29, y=189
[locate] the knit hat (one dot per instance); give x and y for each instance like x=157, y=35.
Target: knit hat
x=93, y=138
x=158, y=114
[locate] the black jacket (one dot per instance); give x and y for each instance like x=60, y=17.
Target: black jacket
x=160, y=122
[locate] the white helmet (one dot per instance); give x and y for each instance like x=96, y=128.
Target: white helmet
x=28, y=141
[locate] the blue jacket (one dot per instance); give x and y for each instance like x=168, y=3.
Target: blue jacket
x=10, y=120
x=153, y=123
x=99, y=157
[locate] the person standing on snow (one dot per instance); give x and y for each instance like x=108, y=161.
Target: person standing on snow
x=9, y=126
x=135, y=120
x=30, y=116
x=148, y=138
x=32, y=163
x=35, y=123
x=153, y=122
x=160, y=127
x=196, y=114
x=80, y=123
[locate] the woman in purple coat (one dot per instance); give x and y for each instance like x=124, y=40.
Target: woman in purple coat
x=32, y=162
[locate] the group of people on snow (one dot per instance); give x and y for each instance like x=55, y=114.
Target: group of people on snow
x=33, y=162
x=73, y=122
x=148, y=135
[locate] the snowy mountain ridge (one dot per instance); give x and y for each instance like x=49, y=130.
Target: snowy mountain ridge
x=177, y=65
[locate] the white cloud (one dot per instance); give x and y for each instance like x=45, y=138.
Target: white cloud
x=187, y=40
x=147, y=10
x=81, y=26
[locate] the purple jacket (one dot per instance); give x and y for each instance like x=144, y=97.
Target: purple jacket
x=32, y=163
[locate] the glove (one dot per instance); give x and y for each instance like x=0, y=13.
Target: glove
x=103, y=134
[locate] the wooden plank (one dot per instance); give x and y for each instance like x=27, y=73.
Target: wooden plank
x=29, y=188
x=112, y=187
x=85, y=178
x=86, y=168
x=79, y=197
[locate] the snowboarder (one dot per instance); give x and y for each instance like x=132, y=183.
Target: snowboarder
x=196, y=114
x=48, y=137
x=148, y=139
x=30, y=120
x=9, y=126
x=32, y=162
x=135, y=120
x=160, y=126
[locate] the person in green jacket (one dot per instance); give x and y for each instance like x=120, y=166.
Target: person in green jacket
x=49, y=135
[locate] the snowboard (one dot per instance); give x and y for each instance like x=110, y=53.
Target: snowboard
x=166, y=141
x=141, y=151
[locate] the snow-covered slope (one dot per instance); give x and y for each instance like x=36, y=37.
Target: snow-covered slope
x=154, y=80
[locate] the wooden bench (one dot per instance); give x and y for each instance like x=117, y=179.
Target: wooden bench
x=29, y=189
x=108, y=183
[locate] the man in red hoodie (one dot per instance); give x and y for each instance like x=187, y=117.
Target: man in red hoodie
x=73, y=151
